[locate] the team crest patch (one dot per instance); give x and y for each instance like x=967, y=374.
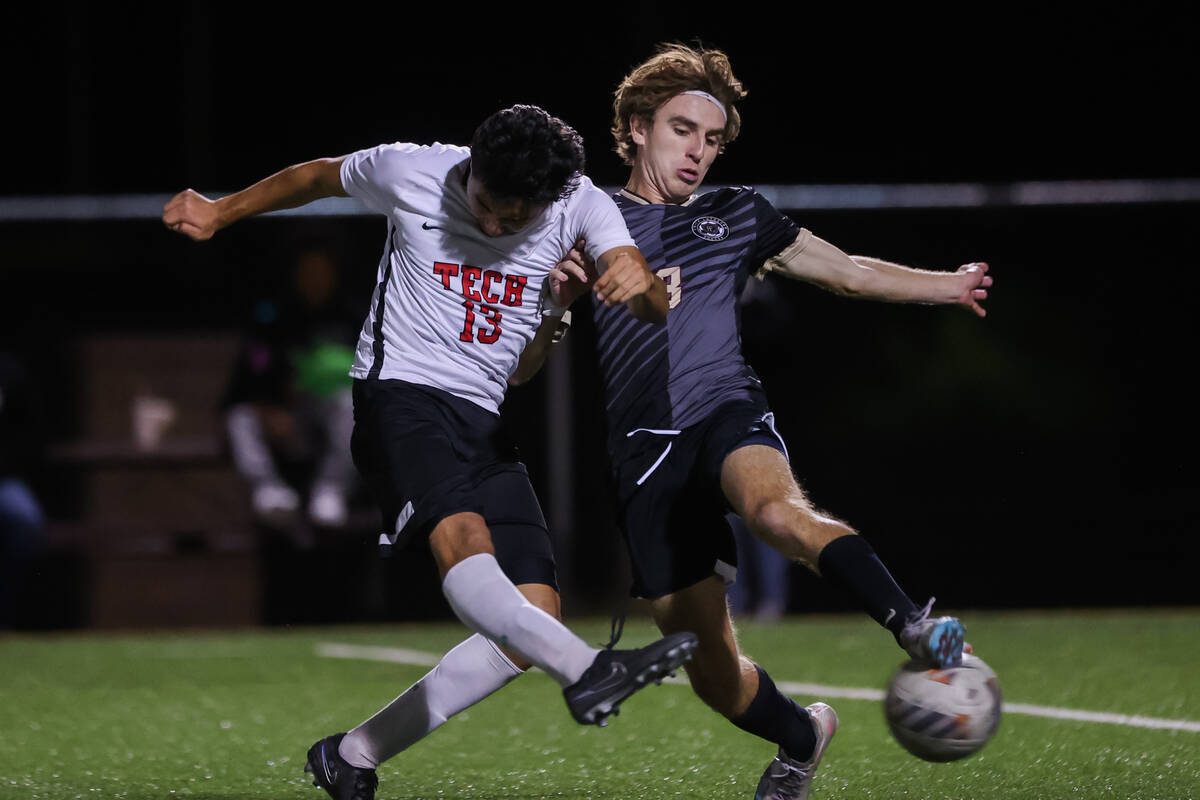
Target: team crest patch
x=713, y=229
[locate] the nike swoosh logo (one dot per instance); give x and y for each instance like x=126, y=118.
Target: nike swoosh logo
x=426, y=226
x=325, y=764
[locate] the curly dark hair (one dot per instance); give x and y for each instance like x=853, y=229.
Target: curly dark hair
x=523, y=153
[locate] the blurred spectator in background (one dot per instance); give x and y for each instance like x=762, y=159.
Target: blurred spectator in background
x=288, y=410
x=21, y=518
x=763, y=583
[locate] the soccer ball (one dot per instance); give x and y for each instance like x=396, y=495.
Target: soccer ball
x=943, y=714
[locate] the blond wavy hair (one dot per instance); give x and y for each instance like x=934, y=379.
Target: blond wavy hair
x=674, y=68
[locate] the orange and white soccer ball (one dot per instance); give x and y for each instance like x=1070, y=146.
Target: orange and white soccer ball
x=943, y=714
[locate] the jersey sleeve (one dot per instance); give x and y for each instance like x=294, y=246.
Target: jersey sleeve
x=376, y=175
x=775, y=231
x=599, y=221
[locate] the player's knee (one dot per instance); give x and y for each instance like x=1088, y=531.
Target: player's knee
x=459, y=537
x=781, y=524
x=796, y=529
x=775, y=517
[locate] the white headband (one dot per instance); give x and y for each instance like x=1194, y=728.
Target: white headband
x=710, y=99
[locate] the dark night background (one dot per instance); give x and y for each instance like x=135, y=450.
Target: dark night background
x=1043, y=456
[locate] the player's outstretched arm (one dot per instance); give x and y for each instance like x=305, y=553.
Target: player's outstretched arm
x=197, y=217
x=625, y=277
x=812, y=259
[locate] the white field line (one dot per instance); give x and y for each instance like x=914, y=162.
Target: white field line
x=394, y=655
x=820, y=690
x=397, y=655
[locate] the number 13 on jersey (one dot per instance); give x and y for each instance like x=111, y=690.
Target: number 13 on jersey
x=484, y=289
x=487, y=316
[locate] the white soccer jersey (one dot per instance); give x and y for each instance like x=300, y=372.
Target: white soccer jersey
x=453, y=308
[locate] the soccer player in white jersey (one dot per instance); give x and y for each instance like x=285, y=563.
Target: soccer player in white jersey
x=464, y=305
x=690, y=434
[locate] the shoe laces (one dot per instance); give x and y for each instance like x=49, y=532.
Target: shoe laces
x=912, y=626
x=792, y=778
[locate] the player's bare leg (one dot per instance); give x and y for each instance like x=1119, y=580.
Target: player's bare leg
x=720, y=675
x=740, y=690
x=758, y=482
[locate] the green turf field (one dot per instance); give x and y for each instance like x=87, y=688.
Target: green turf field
x=223, y=716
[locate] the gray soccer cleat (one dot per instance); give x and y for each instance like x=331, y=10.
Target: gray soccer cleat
x=616, y=674
x=937, y=642
x=789, y=779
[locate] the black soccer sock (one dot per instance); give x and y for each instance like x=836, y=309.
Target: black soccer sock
x=778, y=719
x=850, y=563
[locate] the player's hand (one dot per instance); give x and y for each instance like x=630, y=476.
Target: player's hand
x=974, y=286
x=625, y=279
x=570, y=277
x=193, y=215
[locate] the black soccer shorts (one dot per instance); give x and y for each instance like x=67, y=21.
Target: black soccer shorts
x=426, y=454
x=670, y=503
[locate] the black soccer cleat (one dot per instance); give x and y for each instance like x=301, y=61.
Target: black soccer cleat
x=616, y=674
x=331, y=772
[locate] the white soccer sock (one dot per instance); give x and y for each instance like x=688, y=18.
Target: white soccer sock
x=488, y=603
x=467, y=674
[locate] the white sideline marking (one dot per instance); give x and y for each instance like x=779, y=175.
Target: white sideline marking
x=394, y=655
x=1101, y=716
x=819, y=690
x=397, y=655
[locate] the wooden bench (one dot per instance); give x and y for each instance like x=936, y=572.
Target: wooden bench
x=165, y=531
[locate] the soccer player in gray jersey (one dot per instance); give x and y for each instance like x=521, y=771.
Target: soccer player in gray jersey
x=690, y=433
